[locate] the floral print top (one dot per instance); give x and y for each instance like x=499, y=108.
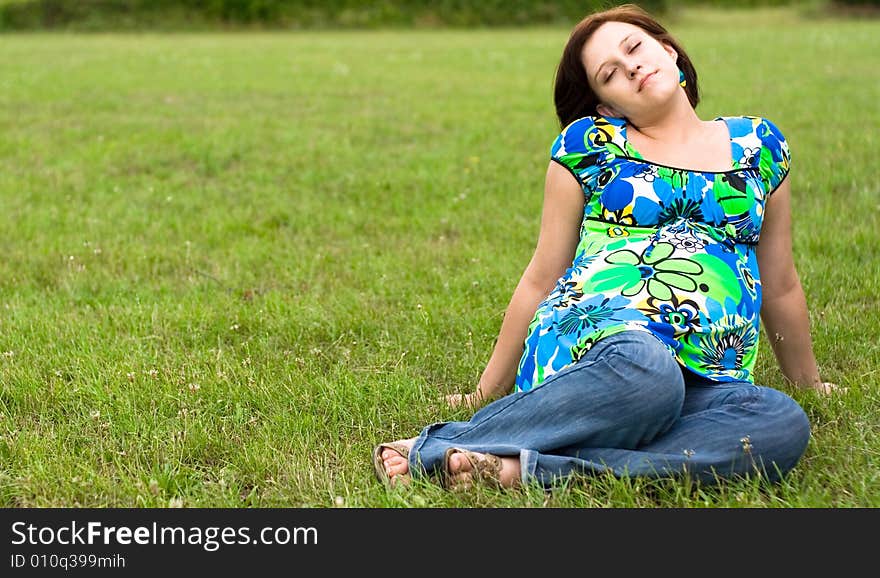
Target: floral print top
x=666, y=250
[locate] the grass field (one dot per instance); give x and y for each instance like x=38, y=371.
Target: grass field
x=233, y=263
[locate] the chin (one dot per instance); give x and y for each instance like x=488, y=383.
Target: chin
x=661, y=91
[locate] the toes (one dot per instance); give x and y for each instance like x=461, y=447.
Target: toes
x=459, y=464
x=395, y=465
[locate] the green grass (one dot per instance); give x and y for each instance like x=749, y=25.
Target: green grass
x=233, y=263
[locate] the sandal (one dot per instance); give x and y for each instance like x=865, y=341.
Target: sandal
x=379, y=463
x=485, y=468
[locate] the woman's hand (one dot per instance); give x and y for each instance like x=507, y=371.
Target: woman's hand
x=828, y=388
x=468, y=400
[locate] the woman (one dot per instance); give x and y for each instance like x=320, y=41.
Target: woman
x=663, y=236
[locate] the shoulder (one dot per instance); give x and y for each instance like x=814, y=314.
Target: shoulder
x=747, y=124
x=756, y=139
x=762, y=129
x=583, y=147
x=763, y=143
x=774, y=146
x=586, y=135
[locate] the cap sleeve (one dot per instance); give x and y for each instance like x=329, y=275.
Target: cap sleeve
x=580, y=148
x=775, y=158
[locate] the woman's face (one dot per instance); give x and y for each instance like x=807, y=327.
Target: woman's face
x=629, y=70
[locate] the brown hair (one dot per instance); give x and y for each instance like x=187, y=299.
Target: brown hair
x=573, y=96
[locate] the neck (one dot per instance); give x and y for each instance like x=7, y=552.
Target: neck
x=676, y=124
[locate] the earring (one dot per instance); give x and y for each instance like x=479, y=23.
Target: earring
x=681, y=79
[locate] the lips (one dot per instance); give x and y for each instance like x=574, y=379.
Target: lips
x=645, y=79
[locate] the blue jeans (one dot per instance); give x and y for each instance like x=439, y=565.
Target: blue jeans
x=626, y=407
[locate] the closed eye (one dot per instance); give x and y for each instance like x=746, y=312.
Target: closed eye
x=610, y=74
x=636, y=45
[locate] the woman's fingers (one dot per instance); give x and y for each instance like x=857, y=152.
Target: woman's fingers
x=828, y=387
x=469, y=400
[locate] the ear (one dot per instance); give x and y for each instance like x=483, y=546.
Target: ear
x=605, y=110
x=671, y=52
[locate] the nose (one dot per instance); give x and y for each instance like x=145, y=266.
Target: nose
x=633, y=69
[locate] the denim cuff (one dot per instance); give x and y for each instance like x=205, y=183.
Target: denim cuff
x=528, y=461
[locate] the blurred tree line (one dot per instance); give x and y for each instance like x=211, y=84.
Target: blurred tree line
x=301, y=14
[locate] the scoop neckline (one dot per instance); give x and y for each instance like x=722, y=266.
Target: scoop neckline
x=638, y=156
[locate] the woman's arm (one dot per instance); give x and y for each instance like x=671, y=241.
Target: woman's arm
x=784, y=306
x=561, y=218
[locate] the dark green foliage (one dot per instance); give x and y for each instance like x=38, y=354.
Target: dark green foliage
x=195, y=14
x=871, y=3
x=735, y=4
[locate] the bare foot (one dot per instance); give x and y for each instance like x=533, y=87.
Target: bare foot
x=465, y=468
x=396, y=464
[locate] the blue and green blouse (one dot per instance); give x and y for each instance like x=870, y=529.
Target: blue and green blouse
x=667, y=250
